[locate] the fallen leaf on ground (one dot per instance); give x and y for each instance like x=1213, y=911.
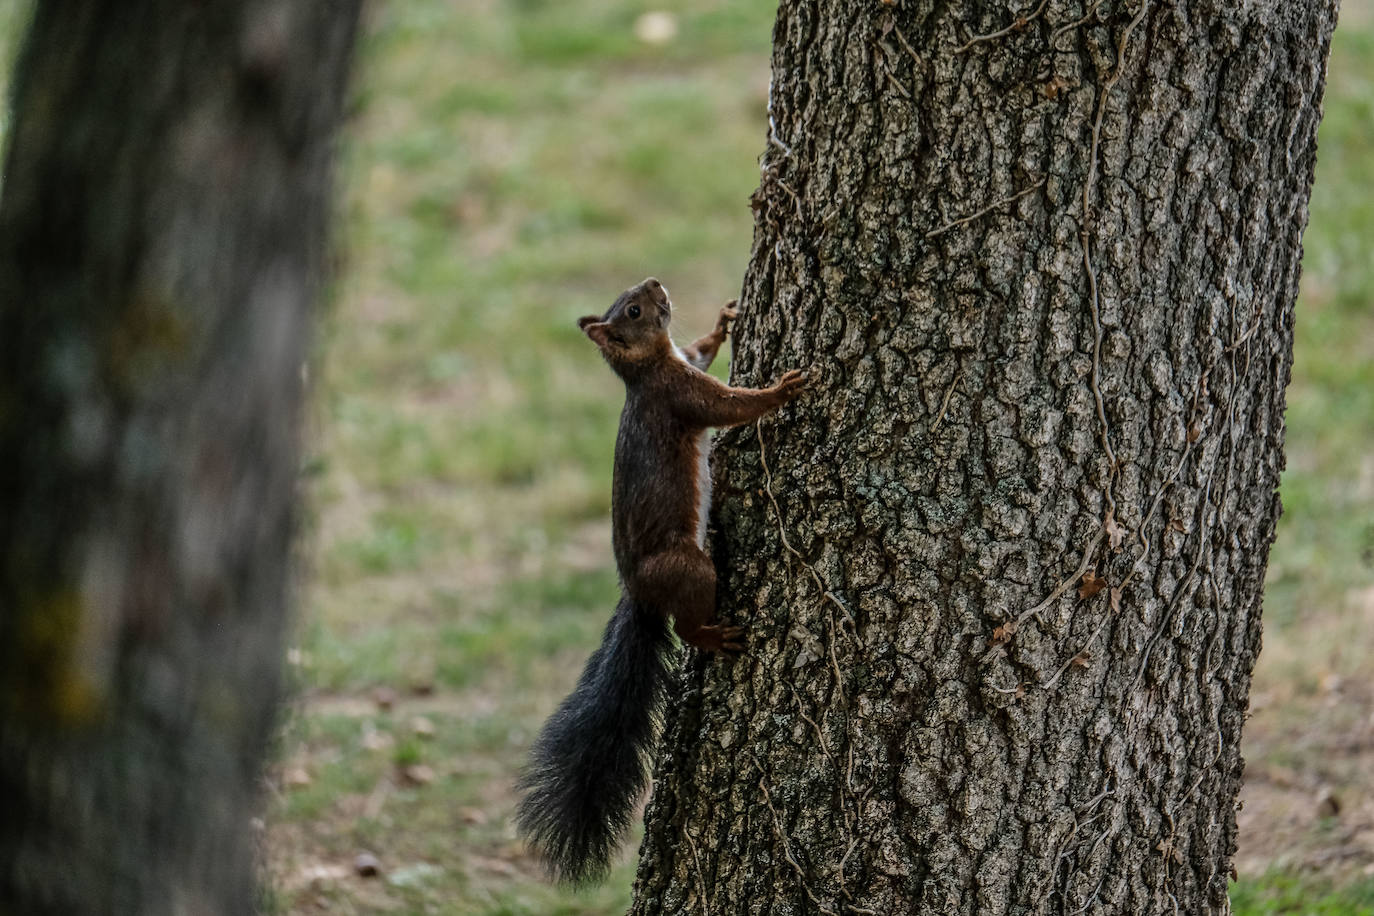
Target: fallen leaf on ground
x=366, y=865
x=384, y=697
x=418, y=774
x=296, y=778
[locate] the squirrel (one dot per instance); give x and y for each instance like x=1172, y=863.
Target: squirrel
x=590, y=763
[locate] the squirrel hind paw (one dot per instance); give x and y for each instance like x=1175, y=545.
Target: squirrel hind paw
x=723, y=640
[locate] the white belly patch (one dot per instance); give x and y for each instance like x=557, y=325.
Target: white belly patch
x=703, y=485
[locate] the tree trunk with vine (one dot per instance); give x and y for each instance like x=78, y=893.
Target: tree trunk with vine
x=162, y=237
x=1003, y=566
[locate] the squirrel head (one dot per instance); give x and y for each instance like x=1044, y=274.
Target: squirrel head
x=634, y=329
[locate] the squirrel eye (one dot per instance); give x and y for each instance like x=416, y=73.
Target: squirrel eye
x=634, y=311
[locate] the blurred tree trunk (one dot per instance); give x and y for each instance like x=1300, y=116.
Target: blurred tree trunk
x=1044, y=280
x=162, y=237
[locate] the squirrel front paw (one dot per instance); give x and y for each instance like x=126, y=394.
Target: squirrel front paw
x=792, y=383
x=728, y=313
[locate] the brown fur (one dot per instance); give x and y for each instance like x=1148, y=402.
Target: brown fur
x=669, y=402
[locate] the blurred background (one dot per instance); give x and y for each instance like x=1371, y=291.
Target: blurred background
x=510, y=165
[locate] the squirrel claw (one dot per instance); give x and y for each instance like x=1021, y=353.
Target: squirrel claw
x=727, y=314
x=716, y=638
x=793, y=382
x=732, y=640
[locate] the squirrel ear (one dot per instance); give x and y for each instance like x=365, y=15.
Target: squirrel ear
x=597, y=330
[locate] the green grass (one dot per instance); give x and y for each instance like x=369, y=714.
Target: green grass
x=509, y=167
x=508, y=170
x=1328, y=524
x=512, y=169
x=1287, y=894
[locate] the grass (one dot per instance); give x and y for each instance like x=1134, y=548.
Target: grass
x=509, y=170
x=1280, y=893
x=1327, y=491
x=509, y=167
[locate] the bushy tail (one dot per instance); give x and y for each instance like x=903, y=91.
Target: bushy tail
x=591, y=762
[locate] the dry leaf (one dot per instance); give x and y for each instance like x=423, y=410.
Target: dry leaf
x=656, y=27
x=366, y=865
x=1194, y=431
x=1081, y=660
x=473, y=816
x=1003, y=634
x=375, y=740
x=1052, y=89
x=384, y=697
x=1328, y=805
x=318, y=877
x=1167, y=849
x=1092, y=584
x=1115, y=533
x=296, y=778
x=418, y=774
x=1115, y=595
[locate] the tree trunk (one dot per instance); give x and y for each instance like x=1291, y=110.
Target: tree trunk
x=161, y=240
x=1003, y=565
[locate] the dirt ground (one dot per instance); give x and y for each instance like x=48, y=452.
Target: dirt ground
x=1308, y=801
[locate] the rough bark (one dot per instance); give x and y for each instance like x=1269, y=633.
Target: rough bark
x=1003, y=566
x=161, y=239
